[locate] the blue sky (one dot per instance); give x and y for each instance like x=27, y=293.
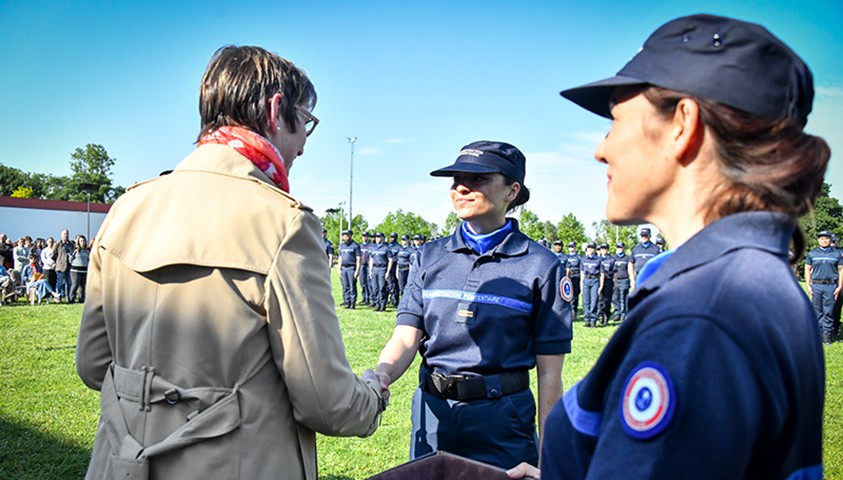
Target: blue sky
x=414, y=81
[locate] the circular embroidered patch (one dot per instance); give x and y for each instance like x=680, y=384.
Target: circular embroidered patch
x=566, y=289
x=648, y=401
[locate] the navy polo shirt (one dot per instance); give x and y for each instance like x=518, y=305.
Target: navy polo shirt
x=487, y=314
x=402, y=256
x=712, y=375
x=824, y=263
x=574, y=263
x=349, y=253
x=365, y=248
x=642, y=254
x=622, y=266
x=607, y=266
x=380, y=254
x=591, y=265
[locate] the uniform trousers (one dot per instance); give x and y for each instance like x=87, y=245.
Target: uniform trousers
x=349, y=285
x=365, y=291
x=575, y=281
x=402, y=274
x=589, y=299
x=619, y=299
x=392, y=287
x=378, y=286
x=823, y=300
x=467, y=429
x=605, y=303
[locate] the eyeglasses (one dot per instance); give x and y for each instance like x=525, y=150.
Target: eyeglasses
x=310, y=121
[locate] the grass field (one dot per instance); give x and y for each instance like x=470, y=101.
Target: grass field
x=48, y=417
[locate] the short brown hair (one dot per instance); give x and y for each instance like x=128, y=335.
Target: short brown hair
x=237, y=86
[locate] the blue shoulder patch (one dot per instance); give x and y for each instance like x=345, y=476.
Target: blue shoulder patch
x=648, y=401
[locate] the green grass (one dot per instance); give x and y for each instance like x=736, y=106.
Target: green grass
x=48, y=417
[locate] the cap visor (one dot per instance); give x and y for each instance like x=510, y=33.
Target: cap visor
x=595, y=96
x=462, y=168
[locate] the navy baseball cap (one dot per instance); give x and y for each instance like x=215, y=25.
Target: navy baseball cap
x=365, y=234
x=660, y=241
x=824, y=233
x=620, y=245
x=417, y=237
x=379, y=234
x=557, y=242
x=737, y=63
x=591, y=245
x=487, y=157
x=645, y=232
x=346, y=232
x=572, y=244
x=393, y=235
x=405, y=237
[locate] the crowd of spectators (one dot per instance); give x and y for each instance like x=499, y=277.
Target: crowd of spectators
x=39, y=269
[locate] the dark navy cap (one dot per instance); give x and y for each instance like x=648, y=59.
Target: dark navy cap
x=736, y=63
x=824, y=233
x=417, y=237
x=379, y=234
x=604, y=245
x=405, y=237
x=487, y=157
x=660, y=241
x=645, y=232
x=572, y=244
x=393, y=235
x=620, y=245
x=347, y=232
x=557, y=242
x=364, y=234
x=591, y=245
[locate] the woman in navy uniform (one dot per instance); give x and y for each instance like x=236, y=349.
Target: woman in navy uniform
x=365, y=289
x=718, y=371
x=572, y=269
x=590, y=284
x=621, y=281
x=607, y=283
x=378, y=261
x=482, y=307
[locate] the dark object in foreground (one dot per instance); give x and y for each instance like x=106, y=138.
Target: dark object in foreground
x=442, y=465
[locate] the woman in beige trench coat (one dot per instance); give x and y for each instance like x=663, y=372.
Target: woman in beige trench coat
x=219, y=356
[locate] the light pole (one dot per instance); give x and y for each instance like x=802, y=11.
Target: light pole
x=350, y=141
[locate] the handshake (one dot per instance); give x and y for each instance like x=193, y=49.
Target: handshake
x=379, y=381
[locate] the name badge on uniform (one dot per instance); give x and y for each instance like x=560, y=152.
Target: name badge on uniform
x=648, y=401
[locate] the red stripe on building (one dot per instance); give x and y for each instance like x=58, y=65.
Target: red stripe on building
x=40, y=204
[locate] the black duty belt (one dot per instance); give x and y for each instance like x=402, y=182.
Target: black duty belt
x=588, y=275
x=462, y=388
x=403, y=267
x=824, y=282
x=349, y=266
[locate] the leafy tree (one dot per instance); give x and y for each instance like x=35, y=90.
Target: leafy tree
x=402, y=223
x=530, y=225
x=827, y=215
x=11, y=179
x=22, y=192
x=91, y=177
x=607, y=232
x=451, y=223
x=336, y=220
x=569, y=229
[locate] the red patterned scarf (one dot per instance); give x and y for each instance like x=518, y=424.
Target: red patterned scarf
x=254, y=147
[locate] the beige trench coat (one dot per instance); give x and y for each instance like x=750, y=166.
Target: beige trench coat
x=210, y=328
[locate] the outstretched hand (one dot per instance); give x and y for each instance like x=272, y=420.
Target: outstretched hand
x=380, y=378
x=524, y=470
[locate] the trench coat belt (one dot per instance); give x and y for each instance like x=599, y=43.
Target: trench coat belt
x=129, y=457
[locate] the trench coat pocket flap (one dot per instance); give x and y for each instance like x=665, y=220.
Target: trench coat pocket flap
x=129, y=468
x=216, y=421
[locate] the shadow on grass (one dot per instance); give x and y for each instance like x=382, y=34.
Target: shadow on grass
x=26, y=453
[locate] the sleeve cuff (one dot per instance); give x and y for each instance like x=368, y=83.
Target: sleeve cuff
x=553, y=348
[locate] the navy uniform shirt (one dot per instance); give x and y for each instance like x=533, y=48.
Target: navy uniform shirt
x=563, y=258
x=491, y=313
x=712, y=375
x=824, y=263
x=621, y=266
x=380, y=254
x=329, y=247
x=349, y=253
x=365, y=249
x=402, y=256
x=642, y=253
x=591, y=265
x=574, y=264
x=607, y=266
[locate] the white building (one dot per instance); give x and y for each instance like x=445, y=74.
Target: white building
x=20, y=217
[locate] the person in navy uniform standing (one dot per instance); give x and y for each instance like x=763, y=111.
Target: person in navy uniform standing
x=824, y=278
x=557, y=250
x=590, y=284
x=641, y=254
x=329, y=248
x=365, y=289
x=573, y=265
x=400, y=263
x=607, y=283
x=621, y=281
x=718, y=371
x=378, y=261
x=392, y=273
x=835, y=313
x=660, y=244
x=349, y=268
x=483, y=306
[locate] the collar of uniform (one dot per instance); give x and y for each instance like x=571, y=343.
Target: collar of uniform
x=222, y=159
x=515, y=243
x=767, y=231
